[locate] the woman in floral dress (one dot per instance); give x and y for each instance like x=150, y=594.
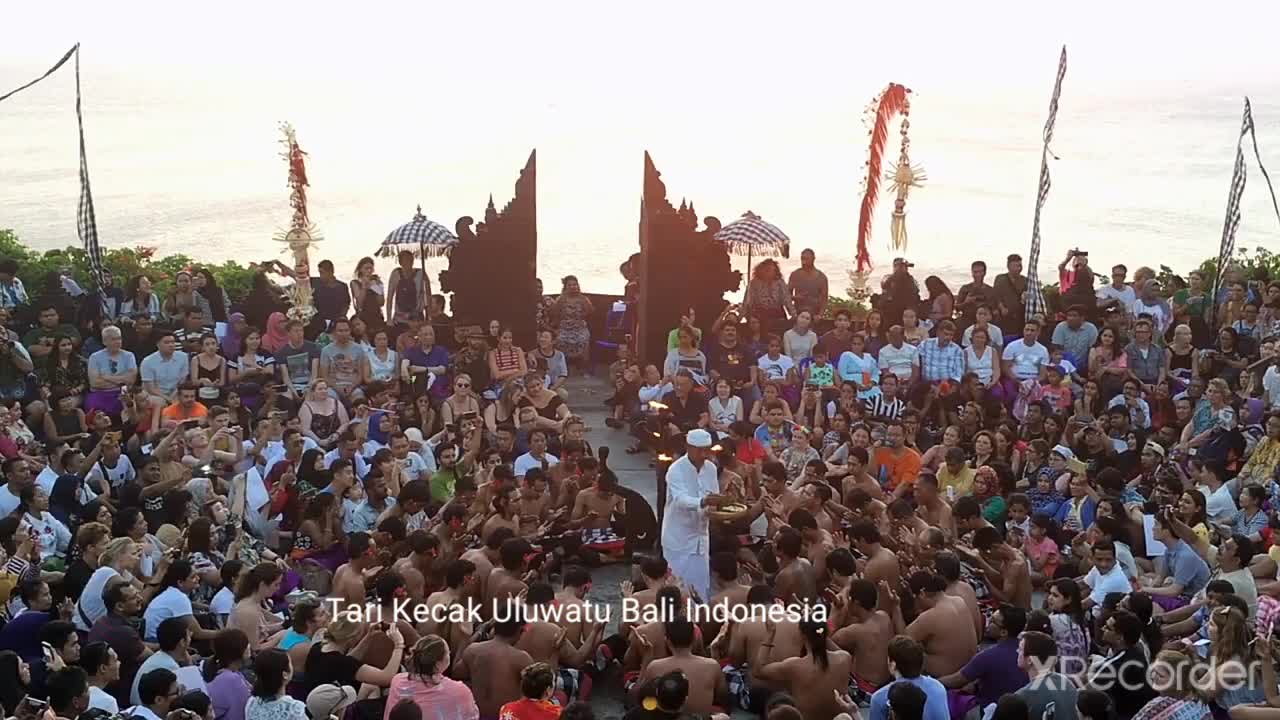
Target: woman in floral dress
x=570, y=314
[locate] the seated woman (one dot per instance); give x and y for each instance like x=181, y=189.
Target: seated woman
x=251, y=369
x=208, y=368
x=65, y=368
x=319, y=538
x=462, y=402
x=338, y=658
x=252, y=612
x=687, y=356
x=769, y=391
x=65, y=422
x=384, y=361
x=322, y=416
x=553, y=411
x=503, y=411
x=506, y=361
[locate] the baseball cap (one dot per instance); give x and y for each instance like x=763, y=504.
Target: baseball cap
x=698, y=438
x=329, y=700
x=903, y=261
x=1064, y=451
x=1154, y=448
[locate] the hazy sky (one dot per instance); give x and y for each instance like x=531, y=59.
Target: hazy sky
x=745, y=105
x=698, y=50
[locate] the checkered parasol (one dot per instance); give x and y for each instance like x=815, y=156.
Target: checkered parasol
x=750, y=235
x=425, y=238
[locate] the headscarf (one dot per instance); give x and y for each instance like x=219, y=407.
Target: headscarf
x=277, y=336
x=376, y=434
x=231, y=341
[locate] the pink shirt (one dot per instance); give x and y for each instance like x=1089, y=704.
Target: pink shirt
x=447, y=700
x=1045, y=551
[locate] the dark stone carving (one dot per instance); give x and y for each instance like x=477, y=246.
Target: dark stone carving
x=493, y=268
x=680, y=267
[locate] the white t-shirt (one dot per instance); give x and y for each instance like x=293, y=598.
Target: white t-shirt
x=1125, y=295
x=222, y=603
x=8, y=501
x=1027, y=359
x=1219, y=505
x=52, y=537
x=725, y=412
x=527, y=461
x=1113, y=582
x=416, y=467
x=899, y=361
x=45, y=480
x=172, y=602
x=1155, y=310
x=90, y=606
x=995, y=338
x=114, y=477
x=1271, y=383
x=775, y=369
x=102, y=700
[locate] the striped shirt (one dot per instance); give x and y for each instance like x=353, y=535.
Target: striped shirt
x=881, y=407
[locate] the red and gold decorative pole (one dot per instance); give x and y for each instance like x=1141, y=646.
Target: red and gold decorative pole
x=302, y=232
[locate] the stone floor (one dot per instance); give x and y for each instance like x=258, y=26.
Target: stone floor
x=586, y=398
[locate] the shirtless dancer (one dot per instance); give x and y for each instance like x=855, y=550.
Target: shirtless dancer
x=486, y=558
x=493, y=667
x=947, y=564
x=944, y=626
x=547, y=641
x=882, y=563
x=818, y=543
x=929, y=504
x=865, y=632
x=512, y=578
x=1006, y=569
x=708, y=690
x=348, y=581
x=816, y=680
x=461, y=587
x=796, y=581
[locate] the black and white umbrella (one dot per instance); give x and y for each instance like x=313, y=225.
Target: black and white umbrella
x=424, y=238
x=750, y=235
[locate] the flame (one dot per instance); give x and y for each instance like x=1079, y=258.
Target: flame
x=659, y=406
x=663, y=457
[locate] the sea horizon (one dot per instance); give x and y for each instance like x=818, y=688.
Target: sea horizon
x=184, y=156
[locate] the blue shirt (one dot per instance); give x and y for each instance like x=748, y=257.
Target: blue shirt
x=935, y=703
x=104, y=364
x=1186, y=568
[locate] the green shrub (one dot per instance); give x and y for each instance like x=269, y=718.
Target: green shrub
x=122, y=263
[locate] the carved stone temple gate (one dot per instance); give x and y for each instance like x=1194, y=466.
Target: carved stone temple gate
x=680, y=267
x=493, y=268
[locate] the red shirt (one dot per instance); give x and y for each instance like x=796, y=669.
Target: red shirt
x=526, y=709
x=751, y=451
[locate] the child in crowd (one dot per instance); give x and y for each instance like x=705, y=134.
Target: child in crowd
x=1042, y=550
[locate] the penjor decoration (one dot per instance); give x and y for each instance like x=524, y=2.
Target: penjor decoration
x=301, y=233
x=892, y=101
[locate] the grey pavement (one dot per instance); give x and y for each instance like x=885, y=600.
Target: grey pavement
x=586, y=399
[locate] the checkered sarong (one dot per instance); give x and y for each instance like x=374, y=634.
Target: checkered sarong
x=603, y=540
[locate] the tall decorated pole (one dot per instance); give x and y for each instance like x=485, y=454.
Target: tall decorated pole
x=302, y=232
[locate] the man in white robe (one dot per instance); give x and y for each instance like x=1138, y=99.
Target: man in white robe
x=693, y=486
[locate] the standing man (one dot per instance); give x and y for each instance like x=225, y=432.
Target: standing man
x=973, y=294
x=692, y=486
x=331, y=296
x=407, y=291
x=899, y=292
x=1010, y=293
x=808, y=286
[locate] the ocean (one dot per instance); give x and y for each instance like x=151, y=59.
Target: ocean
x=189, y=162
